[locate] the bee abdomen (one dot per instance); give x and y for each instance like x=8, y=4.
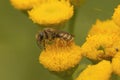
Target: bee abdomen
x=65, y=36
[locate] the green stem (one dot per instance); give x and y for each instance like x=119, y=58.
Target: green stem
x=64, y=75
x=24, y=12
x=68, y=78
x=72, y=21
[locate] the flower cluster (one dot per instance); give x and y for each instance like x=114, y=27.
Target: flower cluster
x=102, y=46
x=60, y=54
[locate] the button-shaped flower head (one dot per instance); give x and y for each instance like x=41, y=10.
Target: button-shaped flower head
x=100, y=71
x=60, y=56
x=51, y=12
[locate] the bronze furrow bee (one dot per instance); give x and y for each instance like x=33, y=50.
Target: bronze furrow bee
x=48, y=35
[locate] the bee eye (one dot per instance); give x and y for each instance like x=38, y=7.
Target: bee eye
x=41, y=36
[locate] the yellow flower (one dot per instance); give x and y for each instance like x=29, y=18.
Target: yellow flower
x=116, y=64
x=99, y=47
x=51, y=12
x=100, y=71
x=60, y=56
x=25, y=4
x=104, y=27
x=116, y=15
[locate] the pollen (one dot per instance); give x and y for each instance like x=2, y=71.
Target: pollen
x=104, y=27
x=51, y=12
x=116, y=15
x=100, y=71
x=60, y=56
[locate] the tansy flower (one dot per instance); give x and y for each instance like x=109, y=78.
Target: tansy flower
x=116, y=64
x=116, y=15
x=104, y=27
x=25, y=4
x=51, y=12
x=100, y=71
x=60, y=56
x=99, y=47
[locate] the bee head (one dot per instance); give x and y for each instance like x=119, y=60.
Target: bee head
x=40, y=36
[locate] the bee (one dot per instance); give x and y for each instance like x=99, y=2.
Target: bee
x=48, y=35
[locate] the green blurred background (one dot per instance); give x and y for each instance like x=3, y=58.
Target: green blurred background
x=18, y=50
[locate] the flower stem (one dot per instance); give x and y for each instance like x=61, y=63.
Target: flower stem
x=72, y=21
x=68, y=78
x=25, y=13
